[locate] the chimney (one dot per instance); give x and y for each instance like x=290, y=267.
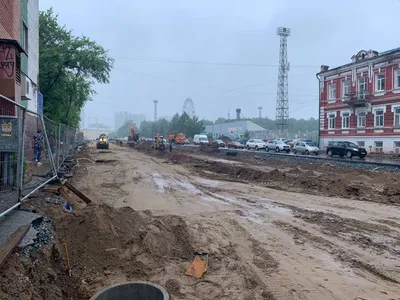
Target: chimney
x=324, y=68
x=238, y=110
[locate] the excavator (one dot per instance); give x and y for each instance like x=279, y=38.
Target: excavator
x=132, y=139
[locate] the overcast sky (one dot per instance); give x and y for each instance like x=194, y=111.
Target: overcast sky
x=222, y=31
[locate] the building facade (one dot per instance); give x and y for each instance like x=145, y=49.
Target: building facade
x=360, y=101
x=120, y=117
x=236, y=129
x=19, y=54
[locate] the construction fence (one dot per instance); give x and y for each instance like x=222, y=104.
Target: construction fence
x=26, y=166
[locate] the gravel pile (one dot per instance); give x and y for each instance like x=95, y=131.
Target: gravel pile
x=54, y=199
x=44, y=228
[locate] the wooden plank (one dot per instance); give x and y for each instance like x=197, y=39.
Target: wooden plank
x=67, y=197
x=13, y=242
x=77, y=192
x=51, y=188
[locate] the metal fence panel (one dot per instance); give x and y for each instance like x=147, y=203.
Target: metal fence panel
x=25, y=167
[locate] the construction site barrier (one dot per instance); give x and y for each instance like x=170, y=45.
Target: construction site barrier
x=20, y=173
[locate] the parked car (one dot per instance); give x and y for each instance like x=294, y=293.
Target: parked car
x=278, y=146
x=255, y=144
x=343, y=148
x=305, y=148
x=200, y=139
x=235, y=145
x=220, y=143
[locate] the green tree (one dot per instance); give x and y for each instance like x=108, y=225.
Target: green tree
x=246, y=134
x=69, y=67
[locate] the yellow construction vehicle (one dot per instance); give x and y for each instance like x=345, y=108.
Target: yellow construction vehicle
x=159, y=142
x=103, y=142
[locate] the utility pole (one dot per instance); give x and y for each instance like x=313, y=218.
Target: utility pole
x=260, y=112
x=155, y=109
x=282, y=99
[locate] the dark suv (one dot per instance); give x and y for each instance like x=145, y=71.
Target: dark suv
x=345, y=148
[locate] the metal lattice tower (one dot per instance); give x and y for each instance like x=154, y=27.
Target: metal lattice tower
x=282, y=99
x=188, y=107
x=260, y=112
x=155, y=109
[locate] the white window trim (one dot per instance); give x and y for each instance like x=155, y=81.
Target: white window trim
x=395, y=73
x=345, y=127
x=374, y=109
x=341, y=115
x=358, y=83
x=343, y=81
x=357, y=112
x=329, y=92
x=327, y=117
x=376, y=83
x=393, y=108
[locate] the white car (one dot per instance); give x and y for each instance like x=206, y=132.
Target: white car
x=255, y=144
x=305, y=148
x=277, y=145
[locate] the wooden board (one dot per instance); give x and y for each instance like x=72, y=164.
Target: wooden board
x=77, y=192
x=13, y=242
x=67, y=197
x=51, y=188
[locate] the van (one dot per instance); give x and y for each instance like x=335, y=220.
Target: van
x=200, y=139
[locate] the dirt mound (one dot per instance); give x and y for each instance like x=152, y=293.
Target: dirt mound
x=41, y=276
x=99, y=237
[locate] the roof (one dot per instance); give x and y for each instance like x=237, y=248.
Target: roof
x=380, y=55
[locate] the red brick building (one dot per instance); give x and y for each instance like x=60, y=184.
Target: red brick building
x=360, y=101
x=10, y=55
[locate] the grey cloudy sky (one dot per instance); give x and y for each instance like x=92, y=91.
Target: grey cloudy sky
x=218, y=31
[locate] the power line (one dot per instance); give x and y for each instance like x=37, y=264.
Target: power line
x=209, y=63
x=207, y=86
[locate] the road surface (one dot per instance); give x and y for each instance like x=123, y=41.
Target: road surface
x=263, y=243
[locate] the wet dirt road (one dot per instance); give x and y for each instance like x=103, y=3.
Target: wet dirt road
x=263, y=243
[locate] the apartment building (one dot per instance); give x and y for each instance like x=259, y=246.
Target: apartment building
x=360, y=101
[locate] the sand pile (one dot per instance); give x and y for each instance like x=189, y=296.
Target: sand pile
x=104, y=238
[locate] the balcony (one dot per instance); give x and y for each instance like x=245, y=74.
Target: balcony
x=360, y=99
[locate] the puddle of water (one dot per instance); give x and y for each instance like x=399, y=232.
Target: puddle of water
x=208, y=182
x=279, y=210
x=160, y=182
x=189, y=188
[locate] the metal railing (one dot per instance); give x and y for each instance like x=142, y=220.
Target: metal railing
x=24, y=166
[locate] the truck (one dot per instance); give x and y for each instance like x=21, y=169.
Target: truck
x=179, y=138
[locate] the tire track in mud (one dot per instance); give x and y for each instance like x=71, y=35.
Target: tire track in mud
x=345, y=256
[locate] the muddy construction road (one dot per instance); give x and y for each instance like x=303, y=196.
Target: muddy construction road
x=264, y=242
x=273, y=230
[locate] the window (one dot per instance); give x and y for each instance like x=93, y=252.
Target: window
x=362, y=85
x=332, y=92
x=380, y=82
x=346, y=88
x=331, y=121
x=345, y=120
x=361, y=143
x=379, y=118
x=397, y=147
x=397, y=117
x=24, y=37
x=397, y=79
x=361, y=119
x=378, y=147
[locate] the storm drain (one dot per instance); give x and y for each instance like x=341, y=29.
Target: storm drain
x=133, y=291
